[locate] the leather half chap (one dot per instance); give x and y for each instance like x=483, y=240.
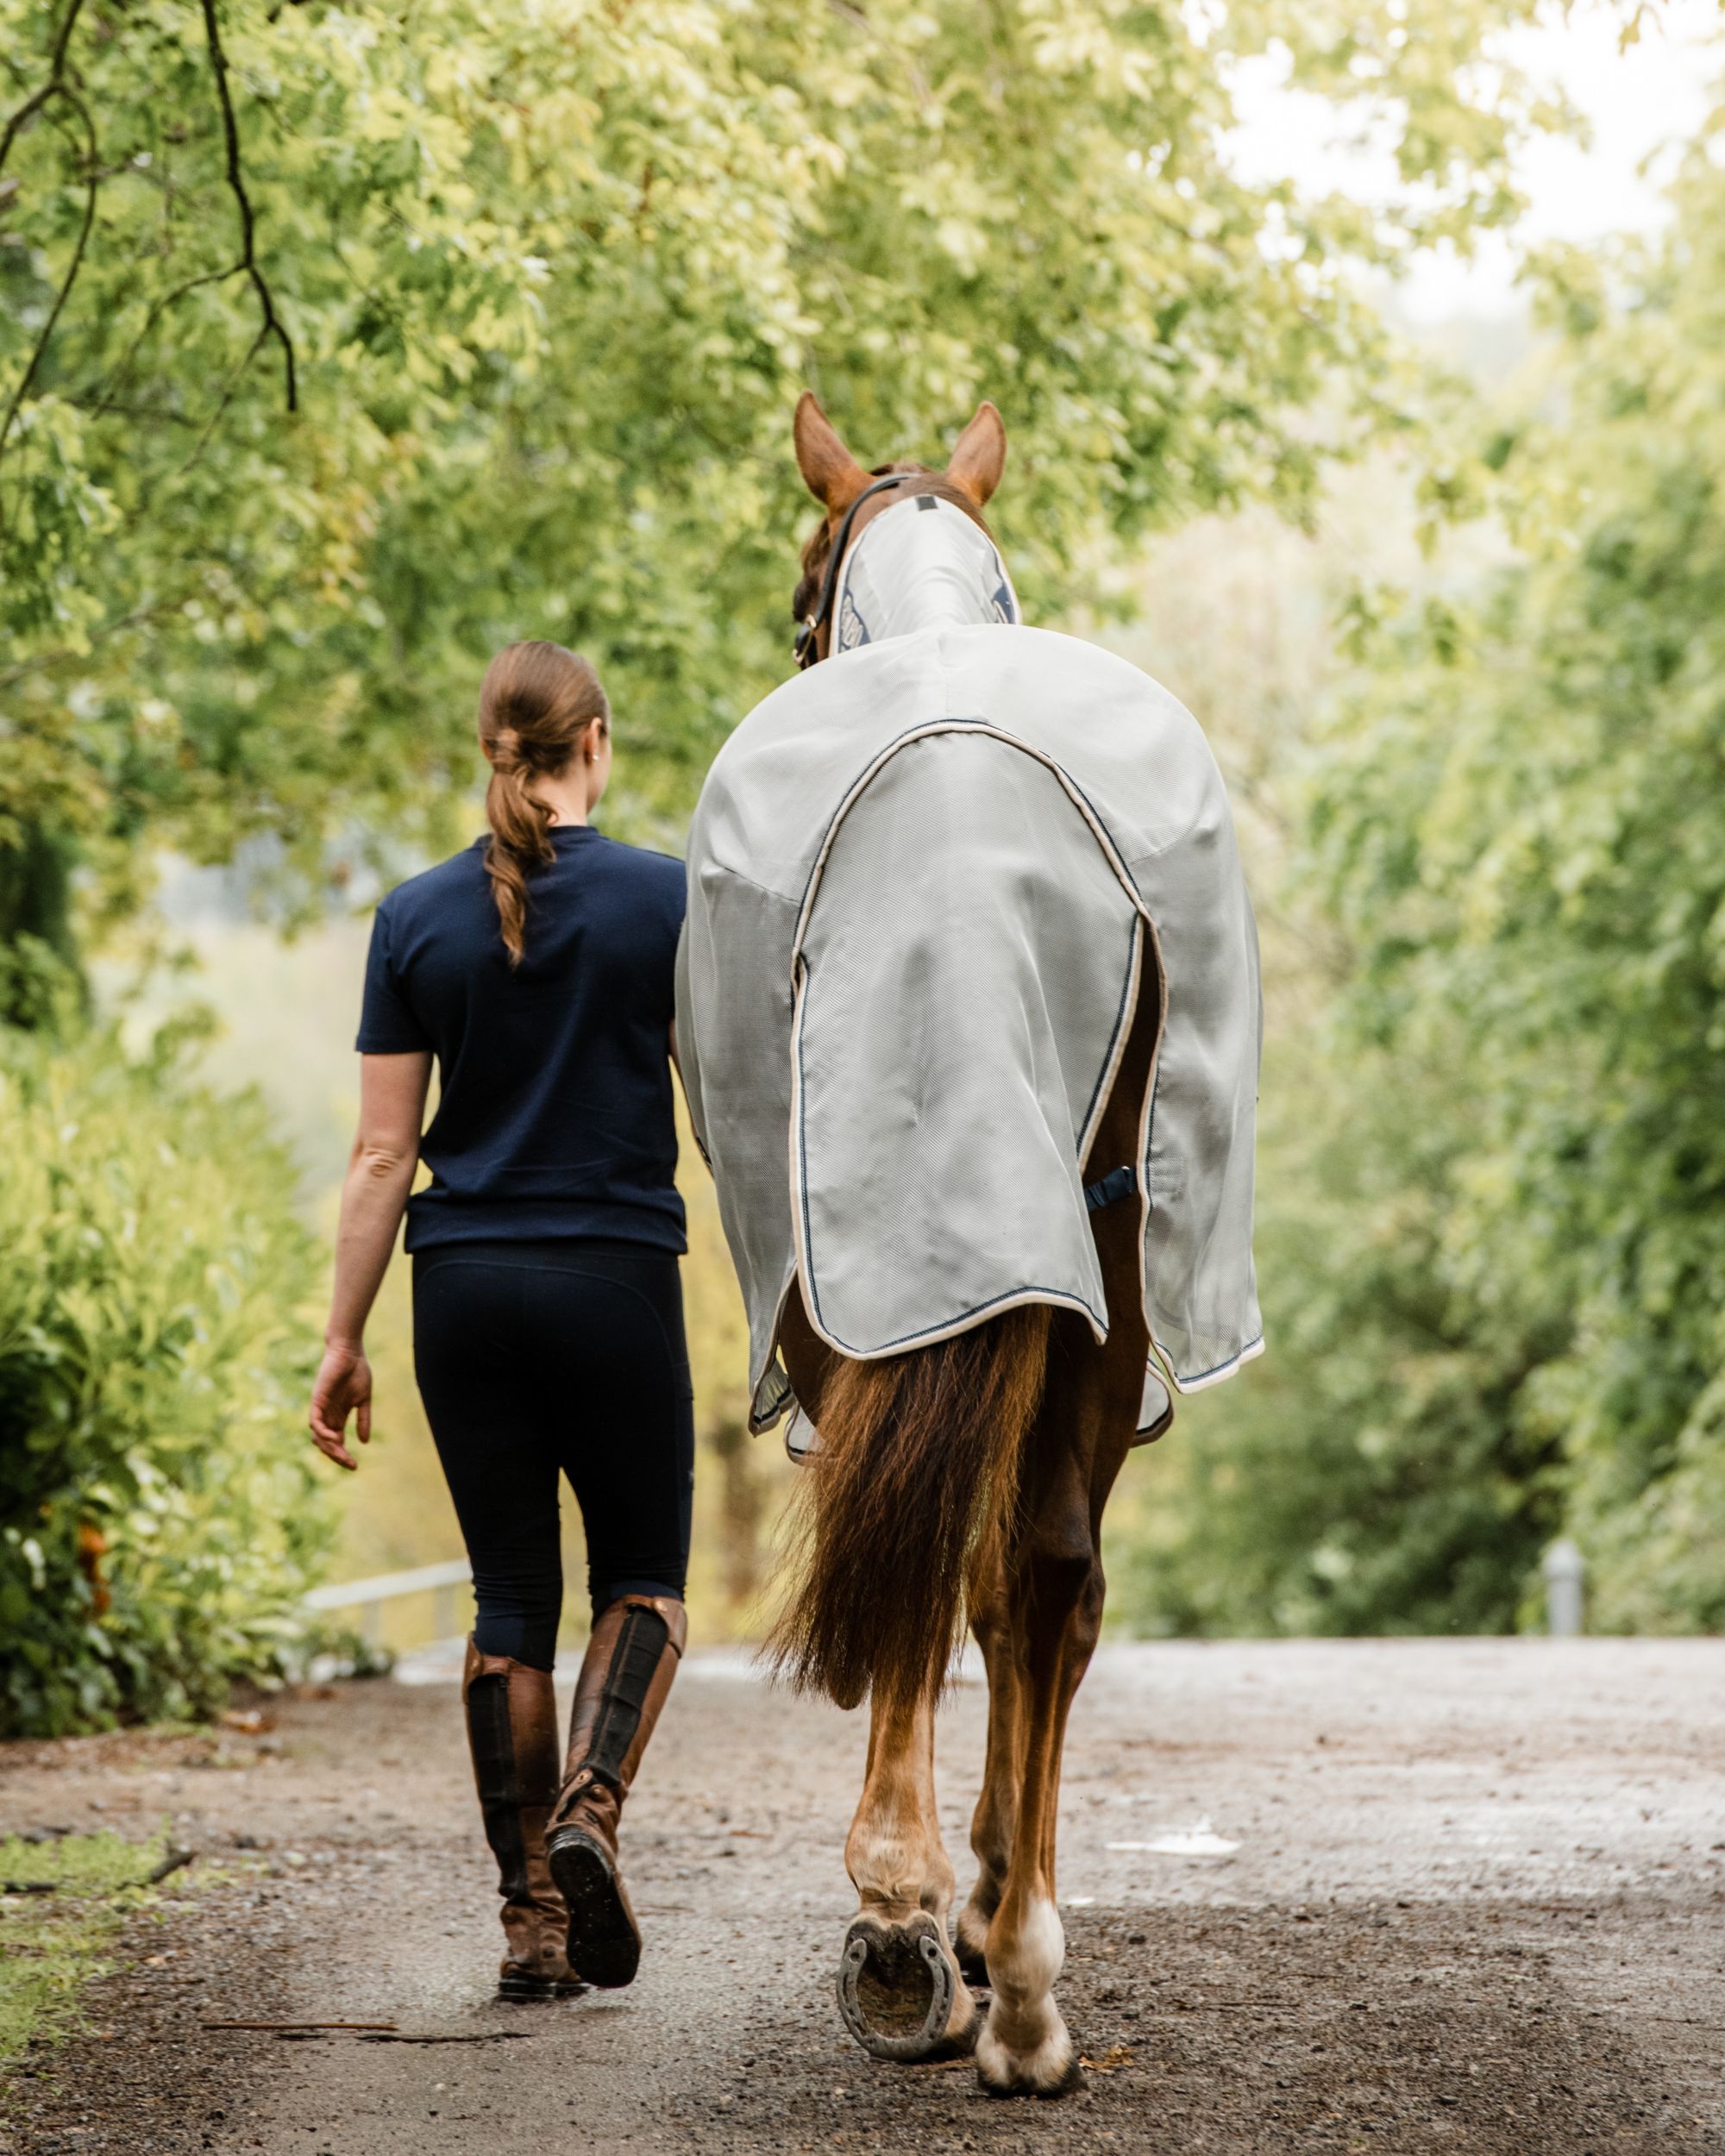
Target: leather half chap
x=628, y=1681
x=625, y=1679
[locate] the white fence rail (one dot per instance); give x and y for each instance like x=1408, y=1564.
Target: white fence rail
x=443, y=1581
x=1563, y=1569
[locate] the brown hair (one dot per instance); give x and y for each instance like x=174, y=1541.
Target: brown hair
x=536, y=702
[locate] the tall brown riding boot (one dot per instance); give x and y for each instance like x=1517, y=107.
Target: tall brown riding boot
x=626, y=1677
x=512, y=1731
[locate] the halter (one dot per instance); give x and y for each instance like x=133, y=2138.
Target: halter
x=809, y=635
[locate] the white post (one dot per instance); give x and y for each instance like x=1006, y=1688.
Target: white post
x=1565, y=1569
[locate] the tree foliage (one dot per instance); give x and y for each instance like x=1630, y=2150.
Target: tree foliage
x=338, y=345
x=1494, y=1240
x=1372, y=1474
x=1522, y=828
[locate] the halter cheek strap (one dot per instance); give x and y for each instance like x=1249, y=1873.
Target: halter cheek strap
x=808, y=636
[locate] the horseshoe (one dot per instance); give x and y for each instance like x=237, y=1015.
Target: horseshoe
x=854, y=1960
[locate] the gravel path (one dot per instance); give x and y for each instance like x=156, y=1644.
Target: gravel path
x=1476, y=1904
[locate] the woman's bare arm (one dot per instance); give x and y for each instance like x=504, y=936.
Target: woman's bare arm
x=393, y=1090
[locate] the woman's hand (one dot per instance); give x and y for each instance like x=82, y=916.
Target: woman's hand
x=392, y=1091
x=343, y=1387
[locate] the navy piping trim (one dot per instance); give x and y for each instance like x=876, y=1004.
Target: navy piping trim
x=1028, y=1293
x=953, y=724
x=1150, y=1144
x=1197, y=1377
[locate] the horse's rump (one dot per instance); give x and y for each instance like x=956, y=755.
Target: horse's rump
x=970, y=962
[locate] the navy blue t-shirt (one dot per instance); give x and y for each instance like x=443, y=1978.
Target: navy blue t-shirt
x=554, y=1116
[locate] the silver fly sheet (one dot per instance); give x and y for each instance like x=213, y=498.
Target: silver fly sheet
x=929, y=881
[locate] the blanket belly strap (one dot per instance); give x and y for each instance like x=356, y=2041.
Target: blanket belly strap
x=1119, y=1182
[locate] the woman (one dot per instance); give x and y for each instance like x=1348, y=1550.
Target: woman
x=537, y=969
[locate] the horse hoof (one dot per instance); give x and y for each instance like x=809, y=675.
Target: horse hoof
x=897, y=1986
x=1069, y=2083
x=1048, y=2070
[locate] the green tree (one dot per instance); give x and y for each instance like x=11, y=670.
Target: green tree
x=1520, y=828
x=336, y=347
x=1375, y=1473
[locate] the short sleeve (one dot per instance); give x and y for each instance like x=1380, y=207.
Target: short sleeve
x=387, y=1024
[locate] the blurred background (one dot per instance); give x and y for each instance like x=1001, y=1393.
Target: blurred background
x=1362, y=369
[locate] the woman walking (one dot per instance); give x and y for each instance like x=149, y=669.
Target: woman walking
x=537, y=969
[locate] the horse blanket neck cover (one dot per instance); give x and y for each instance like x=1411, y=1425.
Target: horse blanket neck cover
x=930, y=880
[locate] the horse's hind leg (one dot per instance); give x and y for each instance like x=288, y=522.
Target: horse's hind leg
x=1056, y=1595
x=900, y=1988
x=994, y=1821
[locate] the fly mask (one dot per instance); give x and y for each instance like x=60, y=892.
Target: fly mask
x=920, y=562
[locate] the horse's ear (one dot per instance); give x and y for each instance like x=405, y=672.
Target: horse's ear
x=979, y=456
x=831, y=474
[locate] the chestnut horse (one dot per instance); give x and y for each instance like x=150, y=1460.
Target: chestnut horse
x=976, y=1468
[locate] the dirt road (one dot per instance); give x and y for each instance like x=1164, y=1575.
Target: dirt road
x=1476, y=1903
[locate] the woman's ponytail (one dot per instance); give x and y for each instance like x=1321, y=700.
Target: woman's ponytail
x=536, y=702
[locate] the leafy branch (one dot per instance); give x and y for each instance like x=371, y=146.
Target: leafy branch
x=92, y=185
x=236, y=183
x=79, y=654
x=54, y=87
x=57, y=87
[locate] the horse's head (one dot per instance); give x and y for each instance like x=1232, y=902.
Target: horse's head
x=852, y=498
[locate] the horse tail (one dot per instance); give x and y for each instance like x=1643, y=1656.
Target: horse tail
x=917, y=1468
